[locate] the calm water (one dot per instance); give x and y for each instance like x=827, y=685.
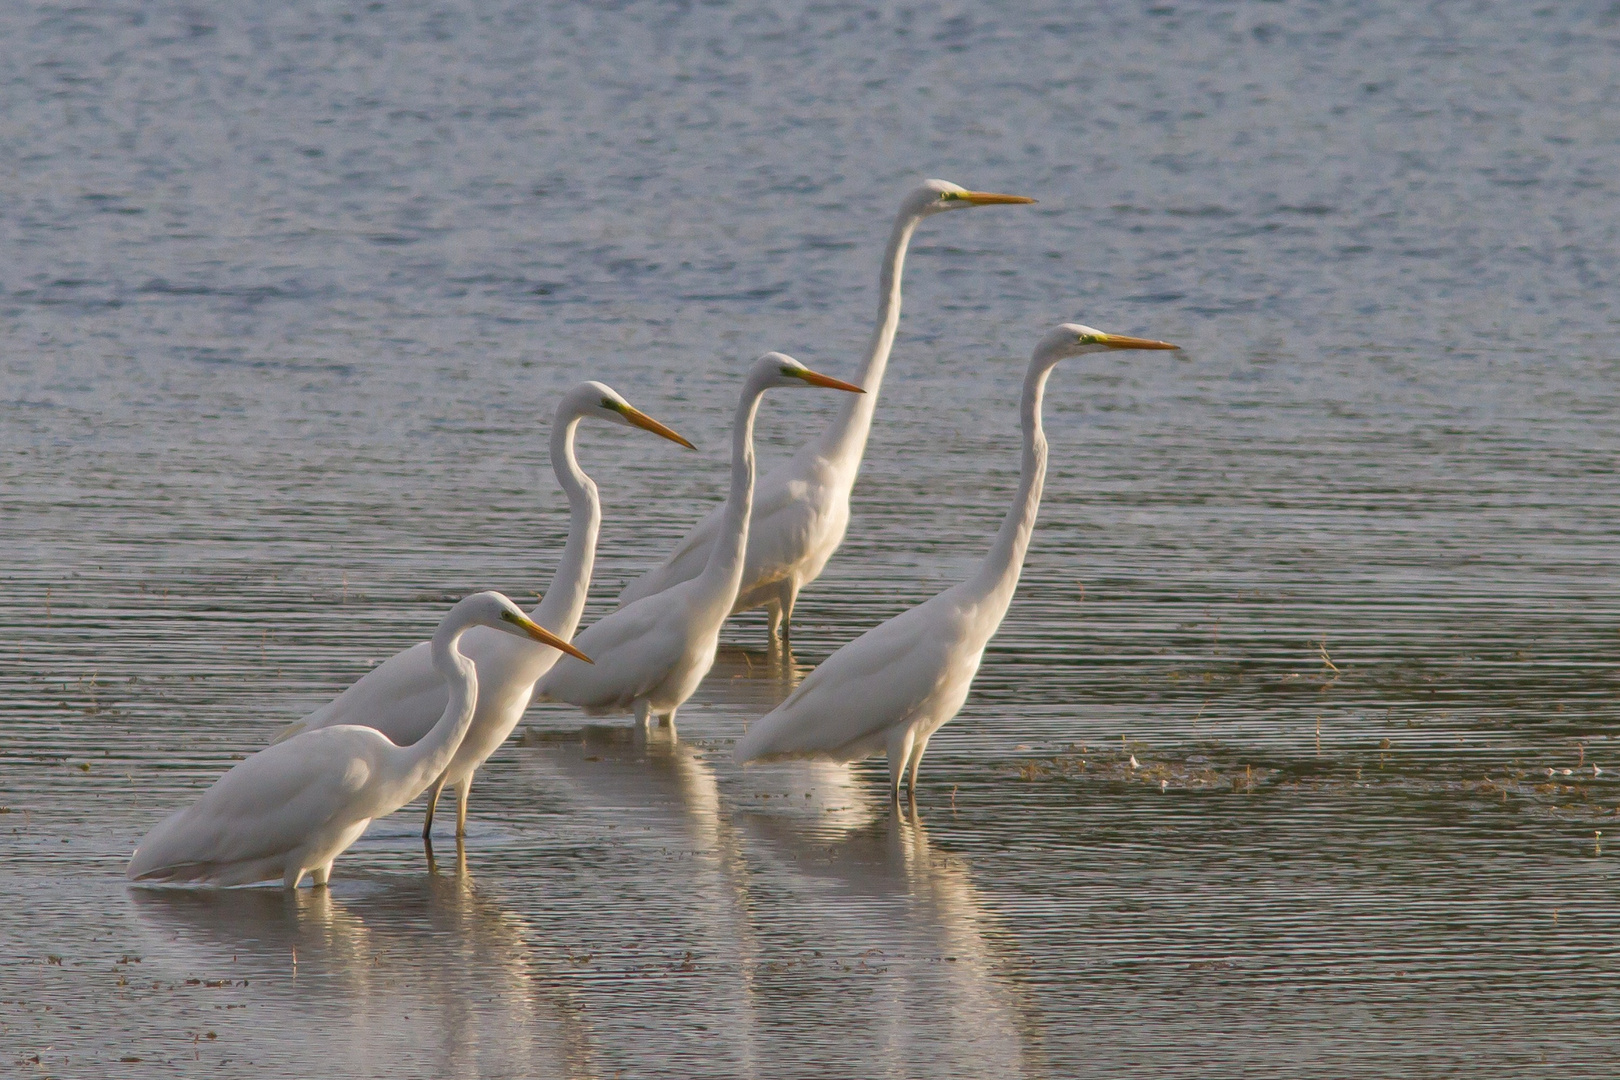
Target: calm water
x=286, y=297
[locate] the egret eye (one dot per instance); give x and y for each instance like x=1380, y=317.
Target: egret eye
x=792, y=373
x=609, y=403
x=947, y=196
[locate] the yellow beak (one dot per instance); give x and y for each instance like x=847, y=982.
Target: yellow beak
x=815, y=378
x=990, y=198
x=647, y=423
x=1120, y=341
x=544, y=636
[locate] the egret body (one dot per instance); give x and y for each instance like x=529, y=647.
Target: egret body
x=891, y=688
x=802, y=507
x=652, y=653
x=404, y=696
x=295, y=806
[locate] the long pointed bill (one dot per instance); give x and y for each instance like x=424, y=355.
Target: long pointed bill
x=647, y=423
x=816, y=378
x=990, y=198
x=1120, y=341
x=544, y=636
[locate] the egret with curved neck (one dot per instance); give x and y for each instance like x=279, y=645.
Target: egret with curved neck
x=652, y=654
x=295, y=806
x=403, y=696
x=891, y=688
x=801, y=511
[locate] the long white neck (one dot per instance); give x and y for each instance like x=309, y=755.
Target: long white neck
x=425, y=759
x=725, y=566
x=844, y=441
x=997, y=576
x=564, y=602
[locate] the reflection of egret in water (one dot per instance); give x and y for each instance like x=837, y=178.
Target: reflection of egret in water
x=754, y=680
x=910, y=966
x=807, y=916
x=427, y=976
x=257, y=934
x=677, y=857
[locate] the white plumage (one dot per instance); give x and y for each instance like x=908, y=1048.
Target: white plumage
x=295, y=806
x=652, y=654
x=891, y=688
x=801, y=509
x=403, y=696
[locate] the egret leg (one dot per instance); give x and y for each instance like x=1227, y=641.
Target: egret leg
x=916, y=760
x=668, y=720
x=292, y=876
x=899, y=754
x=790, y=593
x=463, y=791
x=780, y=610
x=433, y=804
x=321, y=875
x=644, y=714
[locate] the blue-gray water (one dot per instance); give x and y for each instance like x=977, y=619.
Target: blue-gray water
x=288, y=291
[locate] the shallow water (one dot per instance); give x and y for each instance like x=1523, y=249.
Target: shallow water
x=288, y=295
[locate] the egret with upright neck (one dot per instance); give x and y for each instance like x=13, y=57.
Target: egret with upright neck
x=652, y=654
x=801, y=510
x=403, y=696
x=295, y=806
x=891, y=688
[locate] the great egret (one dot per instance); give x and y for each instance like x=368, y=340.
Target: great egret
x=403, y=696
x=802, y=508
x=653, y=653
x=892, y=687
x=295, y=806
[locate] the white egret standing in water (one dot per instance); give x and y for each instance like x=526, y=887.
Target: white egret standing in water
x=403, y=696
x=296, y=805
x=653, y=653
x=802, y=508
x=891, y=688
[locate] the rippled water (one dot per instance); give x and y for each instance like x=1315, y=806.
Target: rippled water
x=287, y=296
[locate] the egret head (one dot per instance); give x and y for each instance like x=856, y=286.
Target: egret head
x=496, y=611
x=937, y=196
x=780, y=369
x=1072, y=339
x=601, y=402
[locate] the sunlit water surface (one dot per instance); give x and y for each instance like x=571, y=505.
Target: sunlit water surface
x=287, y=297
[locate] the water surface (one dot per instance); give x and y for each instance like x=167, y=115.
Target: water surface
x=288, y=295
